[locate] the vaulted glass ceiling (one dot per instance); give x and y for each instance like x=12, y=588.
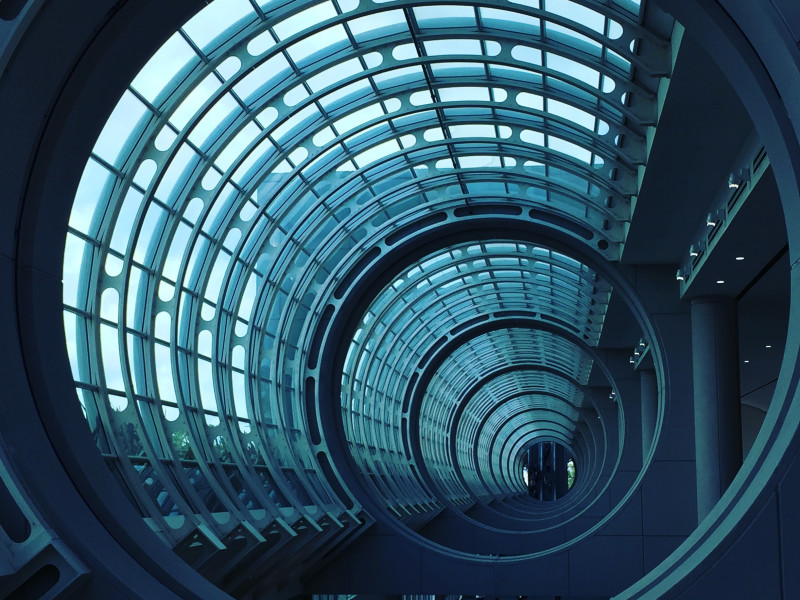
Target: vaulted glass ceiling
x=266, y=144
x=431, y=302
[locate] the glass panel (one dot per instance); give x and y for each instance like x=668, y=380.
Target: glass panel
x=197, y=247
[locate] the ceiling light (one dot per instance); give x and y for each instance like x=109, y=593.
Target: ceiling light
x=768, y=346
x=711, y=220
x=747, y=361
x=738, y=178
x=693, y=251
x=680, y=276
x=740, y=258
x=720, y=281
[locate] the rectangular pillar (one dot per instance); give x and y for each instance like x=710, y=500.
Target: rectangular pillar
x=717, y=416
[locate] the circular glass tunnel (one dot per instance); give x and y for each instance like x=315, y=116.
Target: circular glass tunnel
x=241, y=193
x=345, y=266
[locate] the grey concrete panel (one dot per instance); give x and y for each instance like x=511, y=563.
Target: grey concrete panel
x=676, y=439
x=380, y=560
x=717, y=420
x=750, y=569
x=629, y=520
x=788, y=502
x=649, y=397
x=545, y=577
x=603, y=564
x=658, y=547
x=668, y=494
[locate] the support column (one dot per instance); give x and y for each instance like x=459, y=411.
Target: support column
x=717, y=416
x=561, y=471
x=548, y=471
x=532, y=473
x=649, y=400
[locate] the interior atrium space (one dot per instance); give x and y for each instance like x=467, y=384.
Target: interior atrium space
x=399, y=299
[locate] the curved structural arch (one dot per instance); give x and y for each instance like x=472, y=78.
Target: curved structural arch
x=252, y=203
x=375, y=272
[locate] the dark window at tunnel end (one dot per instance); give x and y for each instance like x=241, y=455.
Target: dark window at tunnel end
x=548, y=471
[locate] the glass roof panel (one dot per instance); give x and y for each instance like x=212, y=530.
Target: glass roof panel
x=330, y=39
x=173, y=58
x=304, y=19
x=258, y=152
x=334, y=75
x=577, y=13
x=509, y=20
x=381, y=24
x=573, y=68
x=587, y=44
x=262, y=78
x=444, y=15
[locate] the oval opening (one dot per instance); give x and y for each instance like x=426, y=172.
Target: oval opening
x=549, y=471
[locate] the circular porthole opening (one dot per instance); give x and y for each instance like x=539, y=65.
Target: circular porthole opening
x=549, y=470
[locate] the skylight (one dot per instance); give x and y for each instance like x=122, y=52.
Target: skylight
x=263, y=147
